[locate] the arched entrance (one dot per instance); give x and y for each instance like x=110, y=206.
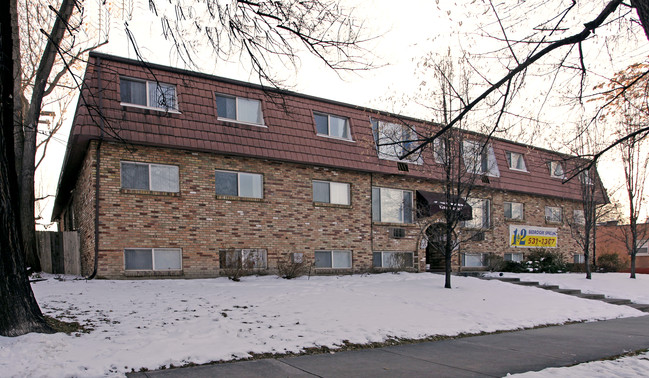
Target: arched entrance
x=436, y=236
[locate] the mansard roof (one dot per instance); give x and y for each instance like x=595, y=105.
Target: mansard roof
x=288, y=134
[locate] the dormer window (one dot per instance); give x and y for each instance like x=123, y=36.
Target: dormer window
x=394, y=141
x=148, y=94
x=479, y=159
x=332, y=126
x=239, y=109
x=516, y=161
x=556, y=169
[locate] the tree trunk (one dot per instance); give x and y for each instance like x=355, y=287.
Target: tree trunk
x=632, y=265
x=448, y=254
x=30, y=131
x=19, y=312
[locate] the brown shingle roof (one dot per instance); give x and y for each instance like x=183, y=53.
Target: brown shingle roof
x=289, y=135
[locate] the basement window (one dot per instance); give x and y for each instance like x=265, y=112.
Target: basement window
x=152, y=259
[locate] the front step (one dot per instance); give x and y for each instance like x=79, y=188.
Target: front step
x=527, y=283
x=592, y=296
x=617, y=301
x=568, y=291
x=549, y=287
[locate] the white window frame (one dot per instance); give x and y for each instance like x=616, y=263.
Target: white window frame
x=516, y=257
x=643, y=244
x=549, y=217
x=553, y=166
x=401, y=145
x=149, y=165
x=516, y=157
x=147, y=85
x=511, y=210
x=385, y=256
x=485, y=205
x=153, y=258
x=236, y=110
x=403, y=207
x=334, y=184
x=332, y=252
x=482, y=259
x=579, y=258
x=239, y=174
x=470, y=151
x=329, y=117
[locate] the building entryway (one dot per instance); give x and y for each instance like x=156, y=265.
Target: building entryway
x=436, y=234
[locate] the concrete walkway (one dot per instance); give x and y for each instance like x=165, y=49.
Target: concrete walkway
x=478, y=356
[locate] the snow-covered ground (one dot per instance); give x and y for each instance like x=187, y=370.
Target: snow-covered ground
x=626, y=367
x=155, y=323
x=613, y=285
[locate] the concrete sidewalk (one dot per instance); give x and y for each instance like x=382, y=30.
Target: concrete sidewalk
x=489, y=355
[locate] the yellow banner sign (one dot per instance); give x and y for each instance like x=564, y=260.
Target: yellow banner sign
x=532, y=237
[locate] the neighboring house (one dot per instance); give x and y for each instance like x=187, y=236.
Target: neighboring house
x=612, y=238
x=176, y=173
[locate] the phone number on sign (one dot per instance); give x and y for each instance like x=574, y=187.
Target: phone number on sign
x=541, y=242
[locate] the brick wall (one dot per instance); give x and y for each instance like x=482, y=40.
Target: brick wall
x=285, y=220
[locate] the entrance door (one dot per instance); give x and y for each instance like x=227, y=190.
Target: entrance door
x=436, y=235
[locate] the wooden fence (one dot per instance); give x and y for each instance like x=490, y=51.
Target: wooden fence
x=59, y=252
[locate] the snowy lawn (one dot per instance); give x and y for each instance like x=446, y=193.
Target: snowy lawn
x=155, y=323
x=613, y=285
x=626, y=367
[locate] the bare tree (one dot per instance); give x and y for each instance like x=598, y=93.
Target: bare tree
x=635, y=162
x=464, y=157
x=19, y=312
x=551, y=40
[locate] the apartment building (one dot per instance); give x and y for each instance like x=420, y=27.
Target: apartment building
x=168, y=170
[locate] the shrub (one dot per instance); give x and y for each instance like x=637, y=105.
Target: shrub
x=544, y=261
x=494, y=262
x=292, y=266
x=234, y=266
x=609, y=262
x=513, y=267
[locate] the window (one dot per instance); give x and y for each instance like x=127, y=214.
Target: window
x=439, y=151
x=152, y=259
x=239, y=184
x=516, y=161
x=243, y=258
x=473, y=259
x=517, y=257
x=556, y=169
x=578, y=217
x=578, y=259
x=513, y=210
x=333, y=259
x=479, y=160
x=331, y=192
x=643, y=248
x=391, y=205
x=148, y=94
x=553, y=214
x=394, y=260
x=239, y=109
x=394, y=141
x=330, y=125
x=481, y=213
x=153, y=177
x=585, y=178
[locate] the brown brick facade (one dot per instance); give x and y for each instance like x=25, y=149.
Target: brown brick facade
x=286, y=219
